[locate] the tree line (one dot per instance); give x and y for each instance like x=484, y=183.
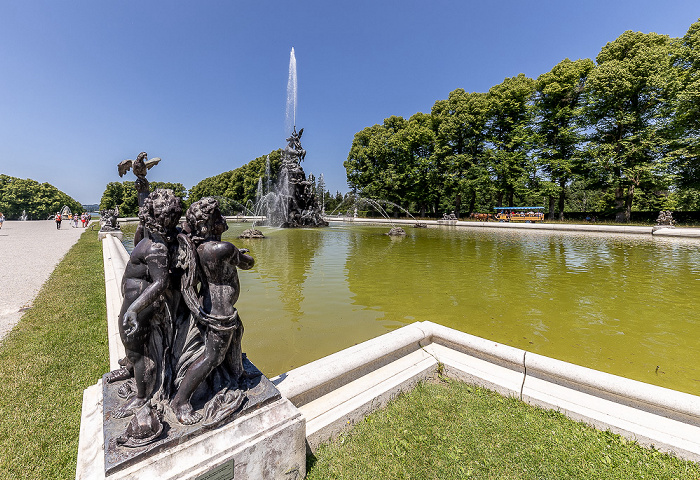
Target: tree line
x=237, y=190
x=38, y=200
x=123, y=195
x=610, y=135
x=234, y=188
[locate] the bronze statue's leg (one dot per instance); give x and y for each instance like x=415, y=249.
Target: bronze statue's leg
x=215, y=347
x=234, y=356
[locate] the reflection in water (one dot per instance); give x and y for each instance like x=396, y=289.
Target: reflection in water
x=618, y=303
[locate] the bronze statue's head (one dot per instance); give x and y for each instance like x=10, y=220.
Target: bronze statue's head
x=142, y=156
x=161, y=211
x=204, y=219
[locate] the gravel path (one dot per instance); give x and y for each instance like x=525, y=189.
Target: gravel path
x=29, y=252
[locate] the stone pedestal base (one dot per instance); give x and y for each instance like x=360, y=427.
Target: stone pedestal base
x=103, y=233
x=268, y=443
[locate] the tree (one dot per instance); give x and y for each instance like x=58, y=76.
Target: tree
x=423, y=173
x=557, y=105
x=460, y=145
x=239, y=185
x=178, y=189
x=394, y=162
x=625, y=110
x=686, y=102
x=124, y=196
x=321, y=193
x=37, y=200
x=378, y=161
x=509, y=136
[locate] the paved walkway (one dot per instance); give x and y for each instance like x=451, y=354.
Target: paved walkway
x=29, y=252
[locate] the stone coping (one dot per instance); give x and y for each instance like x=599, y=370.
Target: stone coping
x=340, y=389
x=115, y=257
x=332, y=392
x=561, y=227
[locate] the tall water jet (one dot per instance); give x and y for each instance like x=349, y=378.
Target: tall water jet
x=292, y=203
x=291, y=115
x=259, y=191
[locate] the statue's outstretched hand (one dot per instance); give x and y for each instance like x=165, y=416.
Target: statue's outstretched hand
x=130, y=322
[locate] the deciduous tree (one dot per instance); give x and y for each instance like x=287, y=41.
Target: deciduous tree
x=625, y=110
x=509, y=136
x=557, y=104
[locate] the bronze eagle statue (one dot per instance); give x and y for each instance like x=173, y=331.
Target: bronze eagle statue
x=140, y=166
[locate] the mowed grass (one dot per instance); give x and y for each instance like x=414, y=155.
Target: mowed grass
x=58, y=349
x=450, y=430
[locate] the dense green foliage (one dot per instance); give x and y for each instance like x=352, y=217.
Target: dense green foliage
x=615, y=135
x=39, y=200
x=455, y=431
x=239, y=186
x=125, y=196
x=58, y=349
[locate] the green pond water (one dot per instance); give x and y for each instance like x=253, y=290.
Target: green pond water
x=623, y=304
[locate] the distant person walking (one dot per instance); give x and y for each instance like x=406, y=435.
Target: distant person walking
x=2, y=219
x=58, y=220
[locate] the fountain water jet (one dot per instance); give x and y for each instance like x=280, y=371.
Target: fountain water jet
x=291, y=116
x=292, y=202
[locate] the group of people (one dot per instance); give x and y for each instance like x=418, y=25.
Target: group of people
x=83, y=218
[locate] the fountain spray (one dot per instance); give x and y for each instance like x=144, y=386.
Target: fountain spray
x=291, y=116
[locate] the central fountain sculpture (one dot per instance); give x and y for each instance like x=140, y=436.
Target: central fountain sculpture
x=293, y=203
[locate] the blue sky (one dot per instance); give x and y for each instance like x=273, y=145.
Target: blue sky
x=85, y=84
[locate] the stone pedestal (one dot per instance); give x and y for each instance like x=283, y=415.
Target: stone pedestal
x=267, y=443
x=103, y=233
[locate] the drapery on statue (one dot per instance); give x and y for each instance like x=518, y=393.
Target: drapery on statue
x=211, y=264
x=140, y=166
x=181, y=331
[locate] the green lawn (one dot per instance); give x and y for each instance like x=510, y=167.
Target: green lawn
x=57, y=350
x=450, y=430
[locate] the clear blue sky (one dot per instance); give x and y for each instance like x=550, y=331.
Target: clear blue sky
x=85, y=84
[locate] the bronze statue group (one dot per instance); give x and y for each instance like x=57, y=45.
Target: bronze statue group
x=180, y=329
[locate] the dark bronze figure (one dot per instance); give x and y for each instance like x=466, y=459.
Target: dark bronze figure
x=295, y=204
x=108, y=219
x=146, y=278
x=140, y=166
x=184, y=371
x=215, y=271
